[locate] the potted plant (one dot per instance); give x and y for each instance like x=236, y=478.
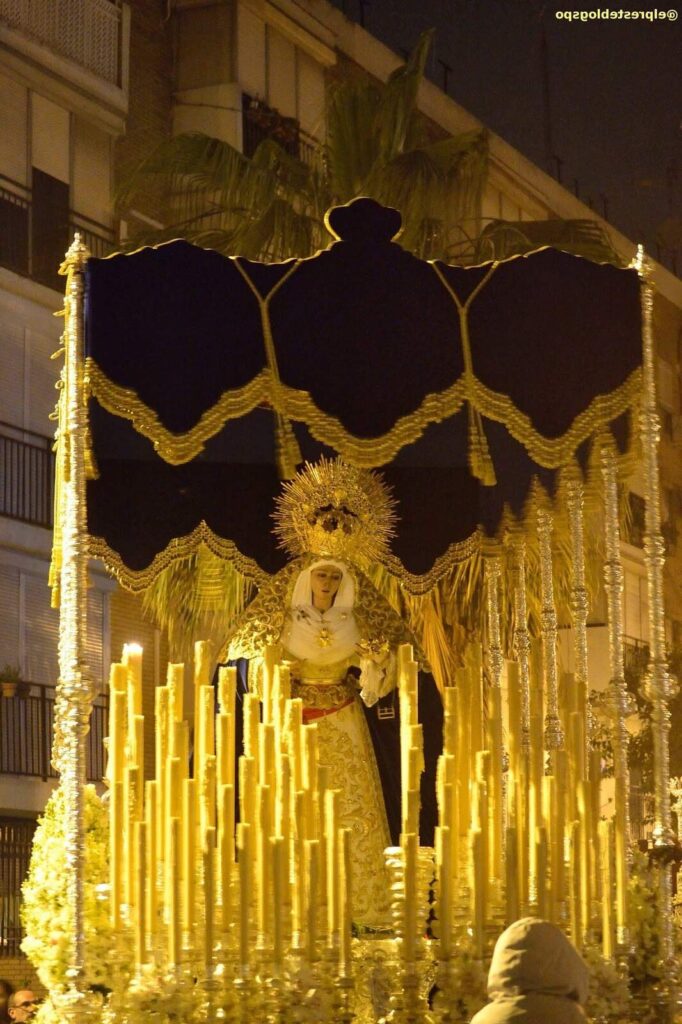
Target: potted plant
x=10, y=680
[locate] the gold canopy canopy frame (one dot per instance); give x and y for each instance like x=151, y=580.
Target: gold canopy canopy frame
x=484, y=768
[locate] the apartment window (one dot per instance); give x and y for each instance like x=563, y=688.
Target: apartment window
x=16, y=836
x=49, y=228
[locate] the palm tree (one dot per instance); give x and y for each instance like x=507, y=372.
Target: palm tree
x=272, y=205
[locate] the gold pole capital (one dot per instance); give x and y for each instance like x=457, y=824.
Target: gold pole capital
x=76, y=255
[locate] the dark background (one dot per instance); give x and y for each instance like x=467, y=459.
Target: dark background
x=614, y=86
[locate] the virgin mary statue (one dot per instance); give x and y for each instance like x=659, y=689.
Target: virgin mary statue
x=340, y=638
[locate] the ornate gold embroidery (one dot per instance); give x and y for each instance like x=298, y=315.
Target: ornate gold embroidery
x=551, y=453
x=323, y=695
x=137, y=580
x=367, y=453
x=346, y=748
x=176, y=448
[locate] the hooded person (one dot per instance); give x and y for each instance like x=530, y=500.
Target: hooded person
x=536, y=977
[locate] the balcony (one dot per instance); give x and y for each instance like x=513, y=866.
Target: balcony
x=37, y=229
x=26, y=476
x=259, y=122
x=87, y=32
x=26, y=726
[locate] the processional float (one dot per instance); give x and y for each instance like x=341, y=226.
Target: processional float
x=503, y=404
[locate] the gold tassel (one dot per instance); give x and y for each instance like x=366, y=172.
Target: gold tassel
x=480, y=461
x=287, y=450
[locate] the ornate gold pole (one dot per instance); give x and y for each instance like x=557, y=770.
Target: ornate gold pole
x=579, y=605
x=619, y=699
x=521, y=634
x=659, y=685
x=74, y=688
x=493, y=572
x=554, y=737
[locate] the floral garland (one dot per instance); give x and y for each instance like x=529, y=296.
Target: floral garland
x=46, y=915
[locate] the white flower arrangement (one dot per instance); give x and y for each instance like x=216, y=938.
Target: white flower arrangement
x=46, y=914
x=609, y=997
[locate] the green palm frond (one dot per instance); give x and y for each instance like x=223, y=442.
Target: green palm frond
x=352, y=147
x=194, y=598
x=399, y=100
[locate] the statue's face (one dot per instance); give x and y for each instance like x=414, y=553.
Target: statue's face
x=325, y=581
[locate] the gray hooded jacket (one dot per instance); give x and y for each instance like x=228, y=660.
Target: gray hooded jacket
x=536, y=977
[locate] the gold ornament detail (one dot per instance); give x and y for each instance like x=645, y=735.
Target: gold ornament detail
x=333, y=509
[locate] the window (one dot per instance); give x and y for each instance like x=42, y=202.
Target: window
x=16, y=835
x=49, y=228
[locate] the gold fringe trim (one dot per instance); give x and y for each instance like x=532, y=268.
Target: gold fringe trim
x=176, y=449
x=456, y=554
x=138, y=580
x=555, y=452
x=366, y=453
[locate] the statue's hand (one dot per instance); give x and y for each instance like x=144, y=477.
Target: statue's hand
x=376, y=651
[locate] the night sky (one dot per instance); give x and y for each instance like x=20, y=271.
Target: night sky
x=615, y=91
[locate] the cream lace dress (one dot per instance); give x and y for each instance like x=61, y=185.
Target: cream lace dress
x=322, y=647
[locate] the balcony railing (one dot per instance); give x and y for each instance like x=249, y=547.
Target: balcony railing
x=38, y=254
x=26, y=726
x=87, y=32
x=260, y=122
x=26, y=475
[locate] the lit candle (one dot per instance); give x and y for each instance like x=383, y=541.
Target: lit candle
x=227, y=688
x=247, y=789
x=409, y=855
x=251, y=721
x=132, y=659
x=226, y=849
x=511, y=877
x=161, y=705
x=137, y=745
x=245, y=874
x=175, y=679
x=207, y=801
x=264, y=830
x=312, y=874
x=310, y=757
x=298, y=893
x=208, y=857
x=139, y=829
x=444, y=872
x=476, y=888
x=150, y=808
x=173, y=894
x=277, y=858
x=188, y=855
x=294, y=742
